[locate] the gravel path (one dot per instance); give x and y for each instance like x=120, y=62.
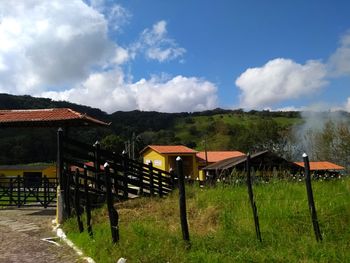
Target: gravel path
x=21, y=237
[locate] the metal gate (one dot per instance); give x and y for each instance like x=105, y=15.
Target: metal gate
x=21, y=191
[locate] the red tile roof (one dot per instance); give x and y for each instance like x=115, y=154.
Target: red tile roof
x=216, y=156
x=314, y=166
x=91, y=164
x=176, y=149
x=45, y=116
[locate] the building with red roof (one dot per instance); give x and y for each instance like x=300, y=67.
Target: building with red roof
x=322, y=166
x=164, y=157
x=216, y=156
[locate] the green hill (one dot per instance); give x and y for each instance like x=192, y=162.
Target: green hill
x=221, y=129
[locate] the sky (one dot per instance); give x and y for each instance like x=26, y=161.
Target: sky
x=175, y=56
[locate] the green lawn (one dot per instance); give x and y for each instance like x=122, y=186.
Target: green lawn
x=221, y=226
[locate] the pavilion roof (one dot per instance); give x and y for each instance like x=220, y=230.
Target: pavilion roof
x=55, y=117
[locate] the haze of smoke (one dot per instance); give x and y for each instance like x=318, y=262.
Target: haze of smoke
x=303, y=136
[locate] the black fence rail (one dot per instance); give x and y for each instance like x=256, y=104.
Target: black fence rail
x=130, y=178
x=21, y=191
x=91, y=176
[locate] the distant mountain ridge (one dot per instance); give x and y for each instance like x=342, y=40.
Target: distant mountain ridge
x=227, y=129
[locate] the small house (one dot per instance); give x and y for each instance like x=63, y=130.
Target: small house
x=164, y=157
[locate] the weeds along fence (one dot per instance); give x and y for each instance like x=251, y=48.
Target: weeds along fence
x=90, y=176
x=306, y=215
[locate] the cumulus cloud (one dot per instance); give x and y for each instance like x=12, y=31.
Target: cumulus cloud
x=155, y=94
x=49, y=43
x=157, y=45
x=174, y=95
x=63, y=50
x=116, y=15
x=278, y=80
x=339, y=62
x=283, y=79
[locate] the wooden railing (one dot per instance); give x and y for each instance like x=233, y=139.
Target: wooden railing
x=20, y=191
x=90, y=176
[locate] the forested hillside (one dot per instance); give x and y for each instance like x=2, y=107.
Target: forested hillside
x=216, y=129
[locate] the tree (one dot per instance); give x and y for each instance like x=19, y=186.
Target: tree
x=113, y=143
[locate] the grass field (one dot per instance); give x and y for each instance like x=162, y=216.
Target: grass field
x=222, y=229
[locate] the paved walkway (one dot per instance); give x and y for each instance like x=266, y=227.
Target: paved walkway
x=21, y=237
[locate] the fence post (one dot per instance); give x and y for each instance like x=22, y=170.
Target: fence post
x=172, y=178
x=11, y=191
x=182, y=200
x=151, y=179
x=59, y=174
x=97, y=163
x=125, y=175
x=141, y=179
x=310, y=198
x=160, y=184
x=77, y=200
x=69, y=197
x=112, y=212
x=251, y=199
x=18, y=191
x=46, y=189
x=87, y=204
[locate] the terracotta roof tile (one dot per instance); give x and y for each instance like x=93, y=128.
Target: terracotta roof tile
x=314, y=166
x=45, y=115
x=170, y=149
x=216, y=156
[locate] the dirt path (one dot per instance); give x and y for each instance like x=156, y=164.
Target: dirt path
x=21, y=237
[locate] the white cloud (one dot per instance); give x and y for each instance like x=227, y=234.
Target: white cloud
x=121, y=56
x=49, y=43
x=63, y=50
x=278, y=80
x=347, y=106
x=110, y=92
x=156, y=44
x=116, y=15
x=104, y=90
x=339, y=62
x=175, y=95
x=291, y=108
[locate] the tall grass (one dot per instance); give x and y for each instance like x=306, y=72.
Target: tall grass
x=222, y=228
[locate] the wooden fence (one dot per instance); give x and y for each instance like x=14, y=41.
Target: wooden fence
x=90, y=176
x=21, y=191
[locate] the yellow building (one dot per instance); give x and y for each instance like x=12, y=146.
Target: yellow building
x=164, y=157
x=28, y=171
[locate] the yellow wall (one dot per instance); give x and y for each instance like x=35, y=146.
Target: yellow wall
x=161, y=161
x=194, y=163
x=49, y=171
x=157, y=159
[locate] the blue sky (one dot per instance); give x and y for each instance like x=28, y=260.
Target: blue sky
x=178, y=55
